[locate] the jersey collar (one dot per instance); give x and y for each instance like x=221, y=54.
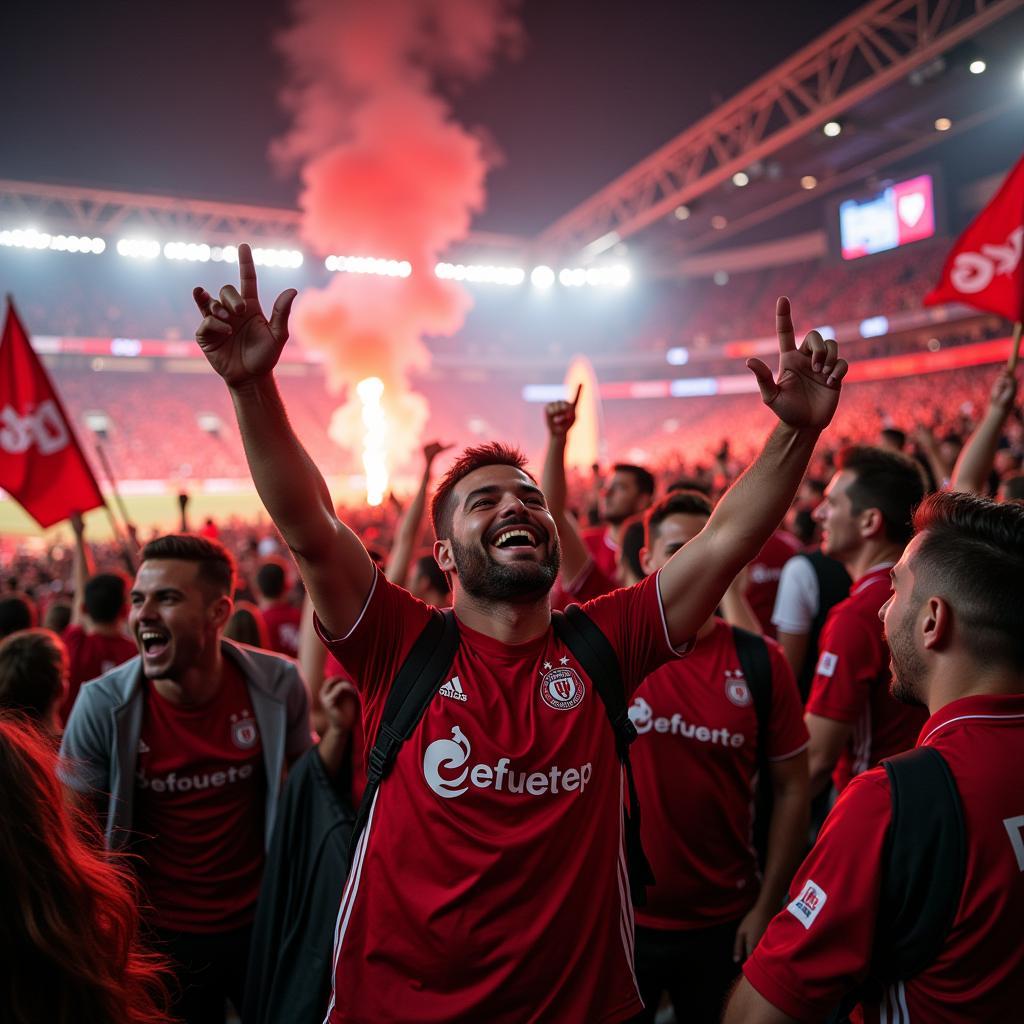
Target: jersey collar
x=984, y=707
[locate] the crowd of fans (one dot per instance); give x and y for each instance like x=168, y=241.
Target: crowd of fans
x=185, y=676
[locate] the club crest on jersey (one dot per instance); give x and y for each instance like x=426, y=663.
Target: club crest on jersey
x=243, y=731
x=736, y=688
x=561, y=688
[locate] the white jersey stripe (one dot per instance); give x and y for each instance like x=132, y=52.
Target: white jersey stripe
x=626, y=926
x=902, y=992
x=348, y=899
x=964, y=718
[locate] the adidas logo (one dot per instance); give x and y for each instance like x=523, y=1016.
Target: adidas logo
x=453, y=689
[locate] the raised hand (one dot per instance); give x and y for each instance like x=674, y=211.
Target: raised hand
x=235, y=336
x=340, y=701
x=561, y=415
x=1004, y=391
x=433, y=449
x=806, y=393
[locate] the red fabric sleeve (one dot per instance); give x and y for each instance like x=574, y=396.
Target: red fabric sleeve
x=819, y=947
x=633, y=620
x=847, y=665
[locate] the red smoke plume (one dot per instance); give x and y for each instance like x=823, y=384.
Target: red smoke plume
x=385, y=172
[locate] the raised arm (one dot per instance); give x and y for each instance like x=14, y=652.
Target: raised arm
x=975, y=462
x=397, y=569
x=560, y=416
x=82, y=567
x=243, y=347
x=804, y=398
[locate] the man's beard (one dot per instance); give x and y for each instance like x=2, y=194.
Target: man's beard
x=484, y=577
x=907, y=666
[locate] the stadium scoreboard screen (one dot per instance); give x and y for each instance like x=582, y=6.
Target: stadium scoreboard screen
x=900, y=213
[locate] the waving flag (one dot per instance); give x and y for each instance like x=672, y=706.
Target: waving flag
x=41, y=464
x=984, y=268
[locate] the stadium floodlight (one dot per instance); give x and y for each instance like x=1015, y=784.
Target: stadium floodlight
x=375, y=266
x=480, y=273
x=614, y=275
x=943, y=124
x=832, y=128
x=808, y=181
x=542, y=277
x=741, y=179
x=138, y=248
x=31, y=238
x=977, y=66
x=224, y=254
x=677, y=356
x=193, y=252
x=874, y=327
x=682, y=212
x=287, y=258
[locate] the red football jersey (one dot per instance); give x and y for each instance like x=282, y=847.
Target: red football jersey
x=283, y=628
x=490, y=883
x=695, y=763
x=851, y=682
x=819, y=947
x=89, y=656
x=765, y=571
x=603, y=550
x=200, y=796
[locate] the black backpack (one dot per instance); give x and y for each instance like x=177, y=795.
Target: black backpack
x=925, y=863
x=423, y=673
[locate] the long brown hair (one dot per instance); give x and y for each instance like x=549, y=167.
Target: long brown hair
x=69, y=922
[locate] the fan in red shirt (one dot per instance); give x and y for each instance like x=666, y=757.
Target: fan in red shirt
x=697, y=760
x=953, y=626
x=866, y=522
x=764, y=574
x=490, y=882
x=96, y=640
x=281, y=616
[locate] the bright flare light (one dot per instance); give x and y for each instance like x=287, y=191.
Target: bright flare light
x=138, y=248
x=832, y=128
x=290, y=258
x=30, y=238
x=480, y=273
x=808, y=181
x=977, y=67
x=943, y=124
x=616, y=275
x=740, y=179
x=374, y=265
x=542, y=277
x=375, y=436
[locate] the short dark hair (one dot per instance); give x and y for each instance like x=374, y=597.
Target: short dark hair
x=216, y=566
x=642, y=477
x=33, y=663
x=271, y=578
x=104, y=596
x=895, y=435
x=442, y=505
x=17, y=611
x=689, y=483
x=972, y=553
x=632, y=543
x=438, y=580
x=678, y=503
x=247, y=626
x=885, y=480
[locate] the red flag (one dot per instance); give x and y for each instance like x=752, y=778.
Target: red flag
x=984, y=268
x=41, y=464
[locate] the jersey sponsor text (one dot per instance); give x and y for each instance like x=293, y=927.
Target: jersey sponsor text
x=642, y=716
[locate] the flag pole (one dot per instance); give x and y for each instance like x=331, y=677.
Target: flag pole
x=1011, y=363
x=117, y=495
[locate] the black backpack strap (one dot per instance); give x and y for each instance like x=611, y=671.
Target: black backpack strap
x=598, y=659
x=924, y=863
x=414, y=687
x=752, y=652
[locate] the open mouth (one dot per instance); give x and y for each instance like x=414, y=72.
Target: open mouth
x=154, y=642
x=511, y=537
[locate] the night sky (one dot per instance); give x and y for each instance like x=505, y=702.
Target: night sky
x=179, y=98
